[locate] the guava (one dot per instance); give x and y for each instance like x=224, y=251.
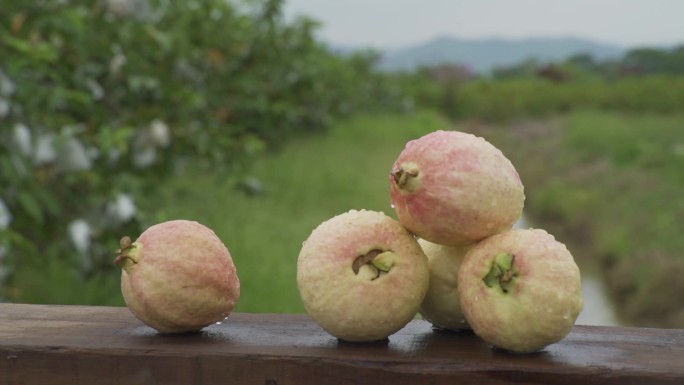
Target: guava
x=454, y=188
x=178, y=276
x=520, y=290
x=362, y=276
x=441, y=305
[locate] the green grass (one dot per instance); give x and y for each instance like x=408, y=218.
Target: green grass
x=621, y=175
x=306, y=182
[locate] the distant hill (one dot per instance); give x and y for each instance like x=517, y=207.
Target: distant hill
x=482, y=55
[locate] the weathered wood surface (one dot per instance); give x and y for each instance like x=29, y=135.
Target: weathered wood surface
x=41, y=344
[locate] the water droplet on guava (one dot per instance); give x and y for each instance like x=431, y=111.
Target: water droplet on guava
x=566, y=315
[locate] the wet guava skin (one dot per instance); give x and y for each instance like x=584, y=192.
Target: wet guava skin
x=458, y=188
x=364, y=306
x=441, y=305
x=181, y=277
x=543, y=298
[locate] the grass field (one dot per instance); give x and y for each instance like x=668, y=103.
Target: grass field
x=306, y=182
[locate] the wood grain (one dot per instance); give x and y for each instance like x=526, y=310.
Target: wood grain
x=48, y=344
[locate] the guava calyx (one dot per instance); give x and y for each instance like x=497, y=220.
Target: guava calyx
x=384, y=261
x=501, y=273
x=126, y=258
x=379, y=262
x=407, y=177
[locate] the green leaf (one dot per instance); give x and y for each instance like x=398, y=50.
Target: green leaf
x=36, y=51
x=49, y=201
x=30, y=204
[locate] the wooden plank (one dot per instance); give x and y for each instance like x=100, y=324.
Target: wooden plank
x=43, y=344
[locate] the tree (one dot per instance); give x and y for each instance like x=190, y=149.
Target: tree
x=99, y=100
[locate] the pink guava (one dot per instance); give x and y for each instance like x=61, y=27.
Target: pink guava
x=454, y=188
x=441, y=305
x=178, y=277
x=520, y=290
x=362, y=276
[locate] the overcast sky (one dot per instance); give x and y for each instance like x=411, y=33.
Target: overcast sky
x=398, y=23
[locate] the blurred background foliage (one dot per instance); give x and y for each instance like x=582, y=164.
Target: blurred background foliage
x=101, y=99
x=117, y=114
